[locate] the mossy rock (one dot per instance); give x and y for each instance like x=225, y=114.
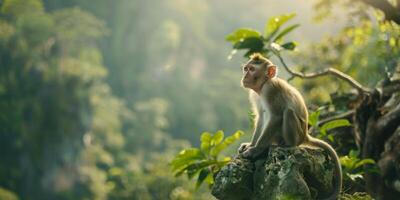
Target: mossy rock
x=234, y=181
x=283, y=173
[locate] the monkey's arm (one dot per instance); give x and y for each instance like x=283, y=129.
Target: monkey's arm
x=264, y=140
x=259, y=120
x=258, y=128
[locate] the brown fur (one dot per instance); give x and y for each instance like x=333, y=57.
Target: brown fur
x=281, y=114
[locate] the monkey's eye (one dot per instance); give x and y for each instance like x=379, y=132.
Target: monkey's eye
x=251, y=69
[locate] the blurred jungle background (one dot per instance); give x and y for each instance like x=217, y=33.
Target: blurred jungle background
x=98, y=96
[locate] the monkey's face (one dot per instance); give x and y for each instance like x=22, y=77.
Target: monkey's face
x=253, y=75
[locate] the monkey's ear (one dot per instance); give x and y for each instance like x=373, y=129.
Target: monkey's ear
x=272, y=71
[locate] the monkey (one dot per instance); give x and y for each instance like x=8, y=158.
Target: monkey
x=281, y=116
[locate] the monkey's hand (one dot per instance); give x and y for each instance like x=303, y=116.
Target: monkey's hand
x=251, y=152
x=243, y=147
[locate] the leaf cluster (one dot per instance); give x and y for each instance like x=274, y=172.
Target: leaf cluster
x=322, y=130
x=203, y=162
x=353, y=166
x=271, y=40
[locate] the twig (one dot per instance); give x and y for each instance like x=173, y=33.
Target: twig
x=328, y=71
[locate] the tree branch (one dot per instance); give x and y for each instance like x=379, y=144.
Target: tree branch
x=393, y=87
x=328, y=71
x=389, y=122
x=391, y=12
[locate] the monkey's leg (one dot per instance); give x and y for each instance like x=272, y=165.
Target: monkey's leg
x=264, y=141
x=293, y=134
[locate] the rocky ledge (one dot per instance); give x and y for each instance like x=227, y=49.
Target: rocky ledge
x=282, y=173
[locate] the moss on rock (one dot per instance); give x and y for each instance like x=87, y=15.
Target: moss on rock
x=283, y=173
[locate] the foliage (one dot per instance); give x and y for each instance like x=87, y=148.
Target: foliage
x=58, y=113
x=271, y=40
x=50, y=95
x=80, y=112
x=16, y=8
x=365, y=50
x=356, y=196
x=353, y=166
x=322, y=130
x=203, y=162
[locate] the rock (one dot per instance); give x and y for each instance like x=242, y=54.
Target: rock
x=283, y=173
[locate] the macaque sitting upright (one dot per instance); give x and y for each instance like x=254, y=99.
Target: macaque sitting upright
x=281, y=114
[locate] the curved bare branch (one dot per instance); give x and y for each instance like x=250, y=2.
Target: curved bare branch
x=329, y=71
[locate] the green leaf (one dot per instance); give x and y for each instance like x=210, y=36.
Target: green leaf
x=202, y=176
x=334, y=124
x=273, y=24
x=223, y=162
x=289, y=46
x=374, y=169
x=344, y=161
x=286, y=31
x=255, y=44
x=194, y=168
x=217, y=138
x=205, y=142
x=313, y=118
x=210, y=179
x=217, y=149
x=228, y=141
x=364, y=162
x=330, y=138
x=347, y=162
x=231, y=139
x=251, y=52
x=352, y=162
x=354, y=153
x=191, y=173
x=241, y=34
x=186, y=157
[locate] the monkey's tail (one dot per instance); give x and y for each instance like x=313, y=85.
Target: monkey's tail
x=338, y=169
